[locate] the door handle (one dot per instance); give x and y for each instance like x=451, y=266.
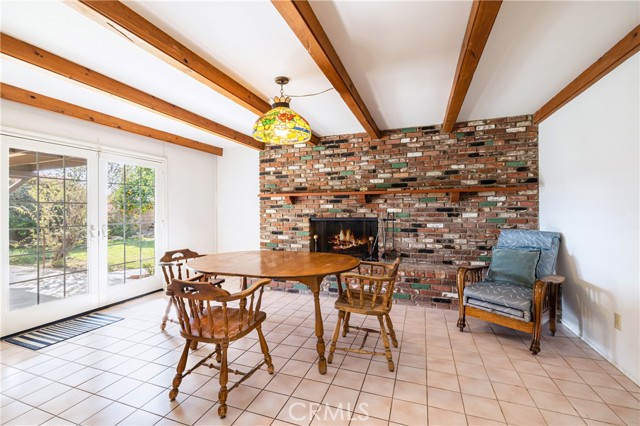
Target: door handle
x=92, y=231
x=104, y=230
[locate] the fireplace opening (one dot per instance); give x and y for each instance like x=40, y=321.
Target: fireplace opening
x=357, y=237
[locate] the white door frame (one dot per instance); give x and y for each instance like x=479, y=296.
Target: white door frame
x=99, y=295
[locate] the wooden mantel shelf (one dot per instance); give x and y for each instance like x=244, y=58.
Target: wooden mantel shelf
x=364, y=196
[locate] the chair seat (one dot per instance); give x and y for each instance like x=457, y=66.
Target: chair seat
x=378, y=308
x=512, y=300
x=237, y=328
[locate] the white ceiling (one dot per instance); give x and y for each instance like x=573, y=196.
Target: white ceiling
x=401, y=56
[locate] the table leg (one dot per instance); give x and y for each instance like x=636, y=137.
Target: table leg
x=314, y=285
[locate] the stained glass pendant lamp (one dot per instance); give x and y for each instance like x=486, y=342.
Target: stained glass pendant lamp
x=281, y=125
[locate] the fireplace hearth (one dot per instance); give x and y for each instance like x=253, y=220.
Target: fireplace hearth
x=354, y=236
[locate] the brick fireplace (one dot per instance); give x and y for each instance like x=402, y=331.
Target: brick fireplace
x=450, y=194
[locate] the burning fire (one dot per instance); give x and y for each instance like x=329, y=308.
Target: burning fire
x=345, y=240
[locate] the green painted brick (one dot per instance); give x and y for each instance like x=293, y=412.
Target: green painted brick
x=300, y=287
x=306, y=157
x=335, y=210
x=484, y=258
x=399, y=165
x=403, y=214
x=288, y=206
x=270, y=185
x=383, y=185
x=516, y=163
x=488, y=204
x=319, y=148
x=346, y=172
x=303, y=233
x=408, y=130
x=497, y=220
x=272, y=244
x=421, y=286
x=428, y=199
x=459, y=135
x=393, y=229
x=489, y=143
x=401, y=296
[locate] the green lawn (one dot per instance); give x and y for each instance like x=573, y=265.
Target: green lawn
x=135, y=249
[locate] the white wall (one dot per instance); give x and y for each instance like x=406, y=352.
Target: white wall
x=191, y=175
x=238, y=201
x=590, y=192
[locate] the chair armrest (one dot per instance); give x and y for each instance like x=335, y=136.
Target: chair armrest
x=553, y=279
x=245, y=293
x=368, y=262
x=473, y=272
x=363, y=277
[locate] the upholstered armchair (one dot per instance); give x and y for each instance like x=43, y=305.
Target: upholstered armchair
x=519, y=286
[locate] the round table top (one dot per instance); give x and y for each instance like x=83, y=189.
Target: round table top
x=274, y=264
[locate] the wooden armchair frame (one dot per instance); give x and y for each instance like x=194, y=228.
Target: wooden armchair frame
x=205, y=316
x=367, y=295
x=545, y=300
x=174, y=265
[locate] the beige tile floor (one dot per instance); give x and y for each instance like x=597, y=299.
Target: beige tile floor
x=120, y=374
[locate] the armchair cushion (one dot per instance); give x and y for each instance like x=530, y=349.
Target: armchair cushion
x=509, y=299
x=514, y=266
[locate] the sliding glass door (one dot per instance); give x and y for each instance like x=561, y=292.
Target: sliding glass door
x=79, y=230
x=129, y=233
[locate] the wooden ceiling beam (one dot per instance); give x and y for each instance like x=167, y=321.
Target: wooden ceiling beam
x=481, y=19
x=628, y=46
x=303, y=22
x=116, y=16
x=33, y=55
x=37, y=100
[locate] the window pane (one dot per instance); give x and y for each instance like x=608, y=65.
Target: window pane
x=131, y=223
x=76, y=248
x=75, y=168
x=115, y=173
x=23, y=268
x=47, y=226
x=132, y=249
x=75, y=214
x=23, y=295
x=51, y=289
x=132, y=270
x=75, y=191
x=51, y=215
x=77, y=283
x=51, y=190
x=50, y=165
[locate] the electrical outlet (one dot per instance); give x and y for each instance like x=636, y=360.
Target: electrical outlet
x=617, y=321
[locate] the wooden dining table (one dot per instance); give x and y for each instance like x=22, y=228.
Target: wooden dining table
x=308, y=268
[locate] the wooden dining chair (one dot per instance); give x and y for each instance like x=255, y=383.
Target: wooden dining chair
x=174, y=265
x=206, y=314
x=370, y=294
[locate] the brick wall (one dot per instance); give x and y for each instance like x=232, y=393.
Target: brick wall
x=433, y=234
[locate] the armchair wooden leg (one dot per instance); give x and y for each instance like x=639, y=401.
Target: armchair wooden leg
x=345, y=330
x=265, y=350
x=385, y=341
x=461, y=317
x=553, y=306
x=179, y=370
x=539, y=290
x=165, y=318
x=334, y=339
x=392, y=332
x=224, y=379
